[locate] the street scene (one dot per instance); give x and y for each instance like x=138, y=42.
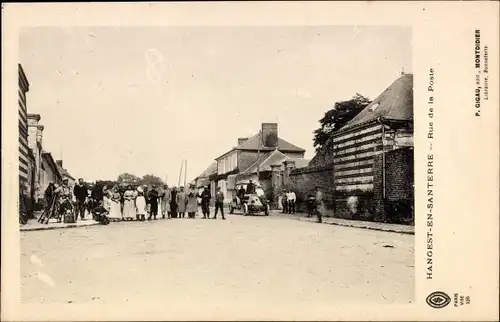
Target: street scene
x=249, y=259
x=216, y=165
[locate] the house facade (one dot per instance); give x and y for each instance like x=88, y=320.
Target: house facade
x=385, y=124
x=251, y=159
x=35, y=136
x=369, y=160
x=24, y=159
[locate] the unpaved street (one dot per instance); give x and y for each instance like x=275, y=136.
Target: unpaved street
x=241, y=259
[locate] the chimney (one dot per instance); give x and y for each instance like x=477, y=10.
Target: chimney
x=242, y=140
x=59, y=163
x=39, y=133
x=33, y=119
x=270, y=135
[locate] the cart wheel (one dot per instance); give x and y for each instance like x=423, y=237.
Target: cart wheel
x=245, y=209
x=266, y=212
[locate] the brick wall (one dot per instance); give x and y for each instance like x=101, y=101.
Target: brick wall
x=304, y=181
x=399, y=174
x=398, y=205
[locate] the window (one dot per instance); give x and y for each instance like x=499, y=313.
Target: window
x=374, y=107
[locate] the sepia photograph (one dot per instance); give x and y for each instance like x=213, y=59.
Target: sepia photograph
x=266, y=161
x=298, y=140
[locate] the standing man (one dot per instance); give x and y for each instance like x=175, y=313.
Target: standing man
x=250, y=187
x=284, y=201
x=292, y=197
x=219, y=203
x=166, y=198
x=64, y=193
x=205, y=202
x=153, y=202
x=173, y=203
x=320, y=207
x=80, y=192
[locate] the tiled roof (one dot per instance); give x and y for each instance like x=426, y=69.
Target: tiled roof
x=265, y=162
x=208, y=171
x=283, y=145
x=252, y=144
x=64, y=172
x=395, y=103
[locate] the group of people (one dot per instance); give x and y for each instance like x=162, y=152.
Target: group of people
x=136, y=202
x=288, y=201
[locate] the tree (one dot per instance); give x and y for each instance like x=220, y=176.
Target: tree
x=150, y=180
x=338, y=116
x=128, y=178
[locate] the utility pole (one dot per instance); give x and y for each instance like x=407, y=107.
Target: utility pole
x=185, y=174
x=180, y=174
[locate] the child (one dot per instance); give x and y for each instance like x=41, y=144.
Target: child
x=140, y=204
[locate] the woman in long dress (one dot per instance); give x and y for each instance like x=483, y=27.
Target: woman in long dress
x=181, y=203
x=115, y=212
x=129, y=210
x=106, y=199
x=140, y=203
x=192, y=202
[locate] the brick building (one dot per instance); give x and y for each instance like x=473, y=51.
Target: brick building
x=370, y=159
x=251, y=156
x=25, y=168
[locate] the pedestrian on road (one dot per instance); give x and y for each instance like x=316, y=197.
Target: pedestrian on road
x=192, y=202
x=284, y=201
x=166, y=198
x=173, y=203
x=129, y=209
x=205, y=202
x=219, y=203
x=115, y=212
x=80, y=192
x=291, y=197
x=250, y=187
x=153, y=203
x=181, y=203
x=140, y=204
x=320, y=205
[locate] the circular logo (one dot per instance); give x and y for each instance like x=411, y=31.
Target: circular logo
x=438, y=300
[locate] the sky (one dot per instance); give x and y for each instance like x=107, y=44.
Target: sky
x=142, y=99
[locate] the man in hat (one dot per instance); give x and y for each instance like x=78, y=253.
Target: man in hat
x=219, y=203
x=64, y=192
x=80, y=192
x=205, y=202
x=250, y=187
x=153, y=202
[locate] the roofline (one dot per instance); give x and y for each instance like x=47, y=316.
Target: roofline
x=24, y=78
x=268, y=157
x=49, y=155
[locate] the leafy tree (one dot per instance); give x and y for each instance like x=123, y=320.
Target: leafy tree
x=341, y=113
x=150, y=180
x=128, y=178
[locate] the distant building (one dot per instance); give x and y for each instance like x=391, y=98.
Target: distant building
x=24, y=159
x=250, y=156
x=35, y=136
x=65, y=174
x=49, y=171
